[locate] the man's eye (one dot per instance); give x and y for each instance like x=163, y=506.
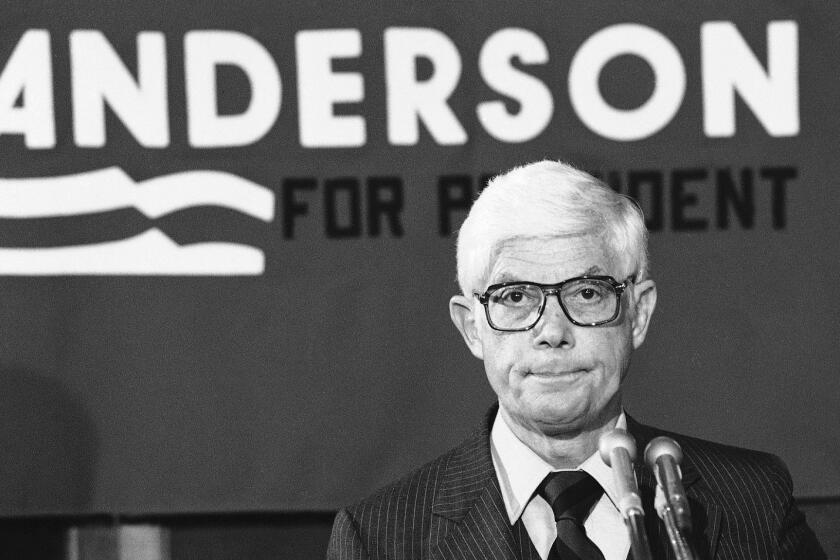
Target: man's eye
x=589, y=294
x=514, y=296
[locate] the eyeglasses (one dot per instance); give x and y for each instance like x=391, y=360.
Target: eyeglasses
x=588, y=301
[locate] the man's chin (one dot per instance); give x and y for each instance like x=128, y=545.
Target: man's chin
x=557, y=421
x=562, y=425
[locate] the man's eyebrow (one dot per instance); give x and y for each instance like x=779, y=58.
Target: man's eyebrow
x=505, y=276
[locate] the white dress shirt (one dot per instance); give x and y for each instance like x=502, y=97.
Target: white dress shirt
x=520, y=471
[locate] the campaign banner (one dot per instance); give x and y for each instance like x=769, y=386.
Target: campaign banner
x=227, y=233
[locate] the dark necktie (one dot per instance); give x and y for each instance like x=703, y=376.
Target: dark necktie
x=571, y=495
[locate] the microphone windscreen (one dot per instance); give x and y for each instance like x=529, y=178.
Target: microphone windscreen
x=615, y=439
x=660, y=446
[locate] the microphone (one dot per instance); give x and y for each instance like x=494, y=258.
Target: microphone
x=663, y=456
x=618, y=450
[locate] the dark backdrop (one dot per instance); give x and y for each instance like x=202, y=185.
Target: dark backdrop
x=220, y=292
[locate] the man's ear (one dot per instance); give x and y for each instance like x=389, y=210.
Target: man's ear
x=645, y=294
x=461, y=311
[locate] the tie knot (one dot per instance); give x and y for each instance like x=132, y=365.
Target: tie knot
x=571, y=494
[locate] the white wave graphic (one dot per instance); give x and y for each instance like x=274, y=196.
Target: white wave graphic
x=151, y=253
x=111, y=188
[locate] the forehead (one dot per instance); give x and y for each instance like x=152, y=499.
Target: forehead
x=551, y=260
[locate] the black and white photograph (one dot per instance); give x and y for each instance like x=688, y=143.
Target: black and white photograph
x=419, y=280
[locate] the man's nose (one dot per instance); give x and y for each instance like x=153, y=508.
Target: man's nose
x=554, y=329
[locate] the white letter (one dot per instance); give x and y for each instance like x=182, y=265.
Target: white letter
x=536, y=103
x=99, y=76
x=656, y=112
x=729, y=65
x=319, y=88
x=28, y=74
x=410, y=100
x=203, y=50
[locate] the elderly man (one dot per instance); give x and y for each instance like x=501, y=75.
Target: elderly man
x=556, y=295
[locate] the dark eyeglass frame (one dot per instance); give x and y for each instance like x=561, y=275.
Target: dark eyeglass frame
x=554, y=289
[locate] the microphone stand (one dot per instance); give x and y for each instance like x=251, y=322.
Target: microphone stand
x=617, y=449
x=679, y=544
x=639, y=545
x=663, y=455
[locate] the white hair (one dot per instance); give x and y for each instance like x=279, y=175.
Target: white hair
x=547, y=199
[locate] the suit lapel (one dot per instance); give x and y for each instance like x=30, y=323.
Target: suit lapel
x=525, y=546
x=470, y=501
x=705, y=514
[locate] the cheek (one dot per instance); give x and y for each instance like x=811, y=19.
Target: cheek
x=496, y=353
x=615, y=351
x=502, y=353
x=609, y=347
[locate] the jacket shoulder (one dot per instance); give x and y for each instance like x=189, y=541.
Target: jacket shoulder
x=724, y=466
x=736, y=478
x=418, y=485
x=754, y=491
x=396, y=521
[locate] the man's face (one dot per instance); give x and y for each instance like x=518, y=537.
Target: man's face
x=559, y=378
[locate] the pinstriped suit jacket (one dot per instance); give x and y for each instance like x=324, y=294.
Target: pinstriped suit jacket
x=452, y=508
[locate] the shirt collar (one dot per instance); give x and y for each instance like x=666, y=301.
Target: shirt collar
x=520, y=471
